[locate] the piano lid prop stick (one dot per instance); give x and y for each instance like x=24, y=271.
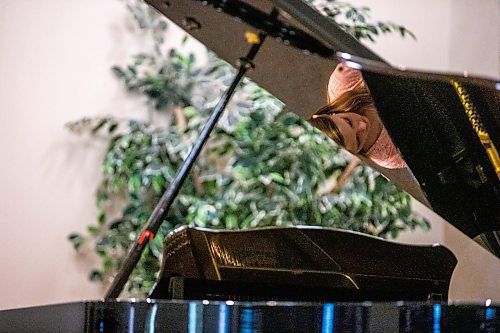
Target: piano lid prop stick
x=163, y=206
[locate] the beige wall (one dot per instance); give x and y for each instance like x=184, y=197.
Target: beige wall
x=55, y=57
x=429, y=20
x=452, y=35
x=54, y=67
x=477, y=275
x=469, y=38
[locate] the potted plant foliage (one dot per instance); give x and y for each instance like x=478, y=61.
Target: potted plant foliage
x=262, y=167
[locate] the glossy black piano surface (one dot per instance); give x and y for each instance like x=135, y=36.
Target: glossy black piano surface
x=225, y=317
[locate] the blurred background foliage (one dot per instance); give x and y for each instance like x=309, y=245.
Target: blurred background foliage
x=263, y=166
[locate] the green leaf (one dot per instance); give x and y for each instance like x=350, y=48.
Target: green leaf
x=402, y=31
x=96, y=275
x=102, y=219
x=100, y=250
x=118, y=71
x=77, y=240
x=372, y=29
x=73, y=236
x=132, y=69
x=107, y=264
x=139, y=59
x=191, y=59
x=231, y=221
x=116, y=184
x=156, y=245
x=92, y=229
x=158, y=182
x=99, y=125
x=190, y=112
x=112, y=127
x=277, y=177
x=134, y=183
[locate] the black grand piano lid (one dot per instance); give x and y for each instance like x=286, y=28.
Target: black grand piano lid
x=450, y=168
x=446, y=128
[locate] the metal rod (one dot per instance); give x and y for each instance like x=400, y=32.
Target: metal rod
x=166, y=201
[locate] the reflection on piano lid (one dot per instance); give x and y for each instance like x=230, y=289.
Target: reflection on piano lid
x=447, y=129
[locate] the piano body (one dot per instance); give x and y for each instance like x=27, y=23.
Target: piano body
x=308, y=279
x=209, y=316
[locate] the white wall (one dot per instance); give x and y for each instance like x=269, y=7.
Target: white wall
x=55, y=59
x=476, y=277
x=472, y=47
x=452, y=35
x=54, y=67
x=429, y=20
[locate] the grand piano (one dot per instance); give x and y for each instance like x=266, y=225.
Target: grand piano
x=309, y=279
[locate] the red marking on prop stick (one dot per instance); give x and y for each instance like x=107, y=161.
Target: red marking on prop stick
x=145, y=234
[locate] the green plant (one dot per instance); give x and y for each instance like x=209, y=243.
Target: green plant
x=357, y=21
x=263, y=166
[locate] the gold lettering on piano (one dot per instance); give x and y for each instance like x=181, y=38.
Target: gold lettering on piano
x=476, y=123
